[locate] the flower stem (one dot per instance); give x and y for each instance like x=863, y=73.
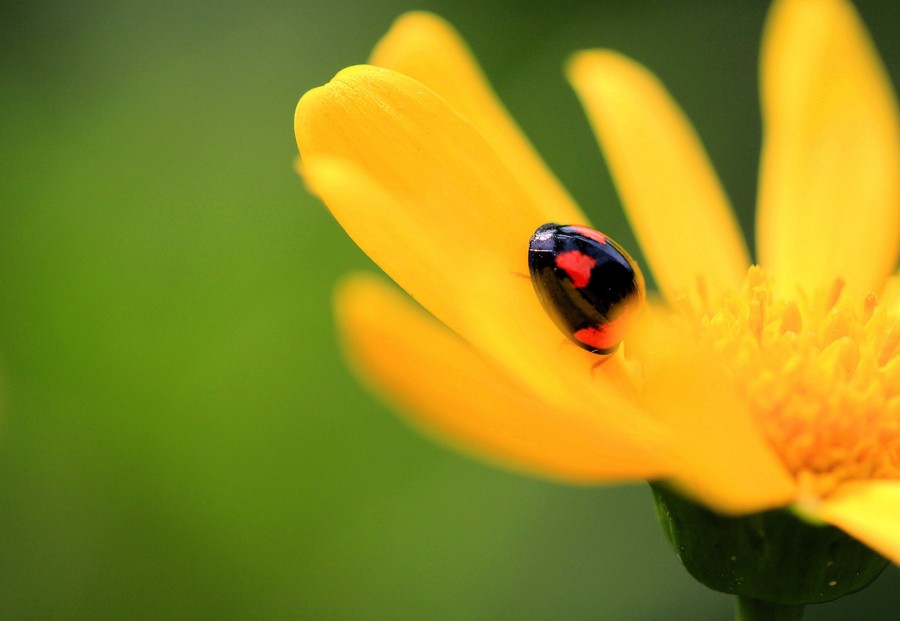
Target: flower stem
x=749, y=609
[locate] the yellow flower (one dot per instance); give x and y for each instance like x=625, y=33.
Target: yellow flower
x=744, y=387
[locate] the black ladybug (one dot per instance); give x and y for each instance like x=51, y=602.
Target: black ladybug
x=586, y=282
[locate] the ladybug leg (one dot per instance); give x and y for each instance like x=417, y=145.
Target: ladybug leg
x=520, y=275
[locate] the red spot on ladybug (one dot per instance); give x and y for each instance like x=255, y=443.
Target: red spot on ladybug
x=590, y=233
x=586, y=282
x=605, y=336
x=577, y=265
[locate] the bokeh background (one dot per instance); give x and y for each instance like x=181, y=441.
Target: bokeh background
x=179, y=438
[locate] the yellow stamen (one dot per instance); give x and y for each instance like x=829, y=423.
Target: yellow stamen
x=889, y=346
x=791, y=321
x=821, y=373
x=869, y=305
x=836, y=288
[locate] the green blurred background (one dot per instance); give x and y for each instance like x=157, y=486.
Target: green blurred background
x=179, y=438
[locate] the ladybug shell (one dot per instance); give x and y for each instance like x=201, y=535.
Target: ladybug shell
x=586, y=282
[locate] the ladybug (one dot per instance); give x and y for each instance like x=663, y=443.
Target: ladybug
x=586, y=282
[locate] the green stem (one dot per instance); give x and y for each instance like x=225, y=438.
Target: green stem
x=749, y=609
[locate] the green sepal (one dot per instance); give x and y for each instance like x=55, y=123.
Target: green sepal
x=773, y=556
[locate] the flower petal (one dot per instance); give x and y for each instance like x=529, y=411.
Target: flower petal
x=669, y=190
x=422, y=153
x=869, y=512
x=724, y=459
x=448, y=222
x=426, y=48
x=446, y=386
x=829, y=198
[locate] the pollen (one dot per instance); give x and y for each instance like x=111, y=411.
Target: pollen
x=820, y=370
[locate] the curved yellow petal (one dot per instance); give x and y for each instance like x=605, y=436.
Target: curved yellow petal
x=869, y=512
x=724, y=461
x=668, y=188
x=447, y=387
x=426, y=48
x=422, y=152
x=421, y=192
x=829, y=198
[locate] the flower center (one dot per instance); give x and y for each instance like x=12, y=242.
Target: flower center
x=821, y=374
